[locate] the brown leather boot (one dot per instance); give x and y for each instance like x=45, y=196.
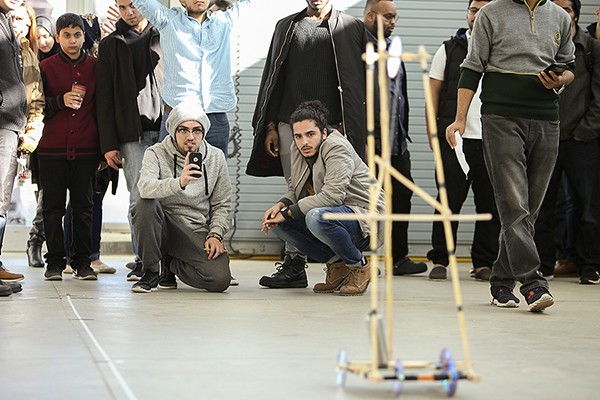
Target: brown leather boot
x=335, y=275
x=565, y=268
x=357, y=281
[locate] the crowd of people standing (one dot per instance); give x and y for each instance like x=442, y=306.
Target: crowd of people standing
x=152, y=96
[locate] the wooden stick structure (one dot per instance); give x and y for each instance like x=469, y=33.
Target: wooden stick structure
x=382, y=365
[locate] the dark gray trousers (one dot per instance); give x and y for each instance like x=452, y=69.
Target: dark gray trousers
x=520, y=155
x=158, y=235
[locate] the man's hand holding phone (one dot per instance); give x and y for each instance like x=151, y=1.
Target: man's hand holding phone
x=192, y=169
x=552, y=77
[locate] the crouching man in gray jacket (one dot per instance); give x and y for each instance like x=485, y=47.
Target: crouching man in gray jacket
x=327, y=175
x=183, y=211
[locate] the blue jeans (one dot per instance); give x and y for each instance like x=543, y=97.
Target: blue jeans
x=325, y=240
x=163, y=126
x=217, y=135
x=132, y=154
x=9, y=142
x=520, y=155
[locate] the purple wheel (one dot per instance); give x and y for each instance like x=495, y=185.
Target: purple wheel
x=399, y=382
x=342, y=372
x=449, y=367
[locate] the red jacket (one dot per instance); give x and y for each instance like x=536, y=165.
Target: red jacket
x=69, y=133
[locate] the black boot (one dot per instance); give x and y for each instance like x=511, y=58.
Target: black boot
x=289, y=274
x=34, y=255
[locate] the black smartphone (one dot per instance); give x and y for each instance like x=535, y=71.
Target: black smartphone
x=196, y=158
x=557, y=68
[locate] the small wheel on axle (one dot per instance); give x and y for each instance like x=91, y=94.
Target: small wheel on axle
x=449, y=367
x=399, y=382
x=342, y=371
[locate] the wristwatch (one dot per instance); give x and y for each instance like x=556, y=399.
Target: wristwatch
x=284, y=211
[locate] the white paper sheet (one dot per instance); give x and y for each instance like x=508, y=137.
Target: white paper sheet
x=460, y=154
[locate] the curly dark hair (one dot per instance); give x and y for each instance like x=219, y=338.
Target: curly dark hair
x=312, y=110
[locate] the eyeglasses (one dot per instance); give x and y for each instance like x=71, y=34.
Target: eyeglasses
x=473, y=10
x=184, y=130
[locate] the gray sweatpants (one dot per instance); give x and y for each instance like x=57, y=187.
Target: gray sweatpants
x=158, y=235
x=286, y=137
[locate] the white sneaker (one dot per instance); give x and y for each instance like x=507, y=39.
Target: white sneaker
x=68, y=269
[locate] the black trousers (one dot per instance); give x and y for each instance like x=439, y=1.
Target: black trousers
x=579, y=162
x=484, y=249
x=56, y=177
x=401, y=203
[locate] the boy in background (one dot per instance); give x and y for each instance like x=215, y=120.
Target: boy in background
x=69, y=150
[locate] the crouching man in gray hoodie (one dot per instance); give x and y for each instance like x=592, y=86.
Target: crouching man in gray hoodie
x=183, y=211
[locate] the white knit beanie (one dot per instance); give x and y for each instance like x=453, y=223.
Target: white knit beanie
x=187, y=111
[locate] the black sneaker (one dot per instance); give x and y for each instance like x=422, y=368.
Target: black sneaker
x=53, y=273
x=503, y=296
x=136, y=273
x=84, y=273
x=5, y=290
x=167, y=279
x=438, y=273
x=545, y=274
x=589, y=275
x=290, y=274
x=148, y=282
x=539, y=298
x=406, y=266
x=15, y=287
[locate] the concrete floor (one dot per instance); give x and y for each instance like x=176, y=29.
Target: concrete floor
x=97, y=340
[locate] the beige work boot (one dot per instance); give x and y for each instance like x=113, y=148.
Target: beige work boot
x=335, y=275
x=357, y=281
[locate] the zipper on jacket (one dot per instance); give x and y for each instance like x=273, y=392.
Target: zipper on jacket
x=272, y=77
x=337, y=71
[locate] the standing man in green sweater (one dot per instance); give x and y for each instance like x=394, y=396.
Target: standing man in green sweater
x=513, y=42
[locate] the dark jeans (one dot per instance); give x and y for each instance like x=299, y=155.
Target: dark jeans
x=324, y=239
x=97, y=199
x=484, y=249
x=77, y=176
x=580, y=163
x=159, y=235
x=520, y=155
x=218, y=134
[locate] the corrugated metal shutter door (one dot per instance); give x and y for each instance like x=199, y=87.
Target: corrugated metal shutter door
x=422, y=22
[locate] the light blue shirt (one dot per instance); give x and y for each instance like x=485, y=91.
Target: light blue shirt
x=197, y=57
